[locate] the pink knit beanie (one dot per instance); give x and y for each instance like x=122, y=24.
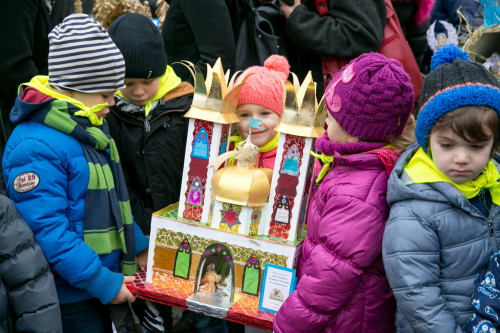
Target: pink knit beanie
x=371, y=97
x=265, y=86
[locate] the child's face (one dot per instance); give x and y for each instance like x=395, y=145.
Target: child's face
x=337, y=133
x=140, y=91
x=91, y=99
x=456, y=158
x=269, y=118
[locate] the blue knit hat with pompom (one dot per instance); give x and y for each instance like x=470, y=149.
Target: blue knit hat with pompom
x=454, y=81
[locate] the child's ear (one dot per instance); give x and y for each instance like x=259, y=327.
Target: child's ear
x=495, y=148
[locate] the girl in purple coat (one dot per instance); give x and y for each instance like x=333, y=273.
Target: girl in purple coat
x=342, y=284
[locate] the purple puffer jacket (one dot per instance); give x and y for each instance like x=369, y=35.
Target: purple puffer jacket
x=342, y=284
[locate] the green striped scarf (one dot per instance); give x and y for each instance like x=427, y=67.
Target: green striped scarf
x=108, y=224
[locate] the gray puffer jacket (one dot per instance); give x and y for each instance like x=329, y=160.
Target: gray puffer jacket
x=435, y=242
x=28, y=298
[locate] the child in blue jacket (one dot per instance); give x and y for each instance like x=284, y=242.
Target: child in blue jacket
x=63, y=173
x=444, y=197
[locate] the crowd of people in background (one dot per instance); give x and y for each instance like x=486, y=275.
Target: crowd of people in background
x=402, y=226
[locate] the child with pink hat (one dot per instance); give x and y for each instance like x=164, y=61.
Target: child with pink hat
x=342, y=286
x=260, y=105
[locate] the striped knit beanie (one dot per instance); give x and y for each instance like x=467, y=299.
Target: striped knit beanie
x=265, y=85
x=454, y=81
x=82, y=57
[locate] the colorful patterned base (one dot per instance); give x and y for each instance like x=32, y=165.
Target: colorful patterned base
x=174, y=291
x=188, y=248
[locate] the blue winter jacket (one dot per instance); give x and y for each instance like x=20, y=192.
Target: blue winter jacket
x=435, y=242
x=52, y=204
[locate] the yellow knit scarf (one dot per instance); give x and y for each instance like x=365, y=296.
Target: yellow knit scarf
x=422, y=169
x=41, y=83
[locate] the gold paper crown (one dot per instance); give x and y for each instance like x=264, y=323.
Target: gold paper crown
x=218, y=105
x=302, y=116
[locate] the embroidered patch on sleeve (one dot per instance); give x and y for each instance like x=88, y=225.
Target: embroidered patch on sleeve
x=25, y=182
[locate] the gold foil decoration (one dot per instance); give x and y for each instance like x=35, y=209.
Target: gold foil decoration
x=302, y=116
x=321, y=113
x=303, y=131
x=78, y=7
x=248, y=154
x=212, y=100
x=106, y=11
x=243, y=184
x=161, y=11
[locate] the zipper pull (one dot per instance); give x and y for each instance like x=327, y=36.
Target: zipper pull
x=490, y=226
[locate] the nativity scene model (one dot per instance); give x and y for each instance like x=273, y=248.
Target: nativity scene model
x=231, y=221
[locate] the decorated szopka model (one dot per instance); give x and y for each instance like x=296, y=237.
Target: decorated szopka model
x=232, y=221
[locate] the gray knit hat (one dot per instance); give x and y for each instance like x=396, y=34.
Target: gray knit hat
x=82, y=57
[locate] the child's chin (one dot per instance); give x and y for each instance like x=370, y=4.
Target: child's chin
x=259, y=144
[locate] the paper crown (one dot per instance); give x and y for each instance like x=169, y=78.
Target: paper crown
x=302, y=116
x=211, y=100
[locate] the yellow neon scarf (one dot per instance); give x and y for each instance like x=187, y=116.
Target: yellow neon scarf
x=327, y=161
x=168, y=81
x=422, y=169
x=264, y=149
x=41, y=83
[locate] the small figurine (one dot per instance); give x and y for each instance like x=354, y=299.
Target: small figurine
x=492, y=63
x=207, y=282
x=442, y=39
x=435, y=41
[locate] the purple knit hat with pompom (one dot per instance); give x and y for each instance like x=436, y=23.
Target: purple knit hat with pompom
x=371, y=97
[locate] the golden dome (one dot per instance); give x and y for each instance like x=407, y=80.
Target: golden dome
x=245, y=186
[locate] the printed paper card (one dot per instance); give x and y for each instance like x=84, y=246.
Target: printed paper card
x=277, y=284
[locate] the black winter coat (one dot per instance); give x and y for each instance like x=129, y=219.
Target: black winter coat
x=415, y=34
x=201, y=31
x=24, y=47
x=352, y=28
x=28, y=297
x=152, y=155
